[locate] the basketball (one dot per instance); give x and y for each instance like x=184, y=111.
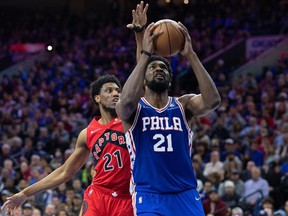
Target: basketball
x=171, y=41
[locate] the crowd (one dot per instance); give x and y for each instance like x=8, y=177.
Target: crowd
x=240, y=151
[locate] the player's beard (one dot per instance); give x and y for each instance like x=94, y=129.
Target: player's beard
x=110, y=110
x=158, y=86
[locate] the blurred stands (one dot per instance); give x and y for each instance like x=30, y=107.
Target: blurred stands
x=51, y=96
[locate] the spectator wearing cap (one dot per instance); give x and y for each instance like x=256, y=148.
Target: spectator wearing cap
x=235, y=178
x=230, y=197
x=27, y=209
x=76, y=204
x=215, y=205
x=4, y=194
x=230, y=146
x=231, y=162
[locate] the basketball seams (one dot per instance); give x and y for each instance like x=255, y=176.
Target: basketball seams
x=168, y=35
x=180, y=34
x=156, y=39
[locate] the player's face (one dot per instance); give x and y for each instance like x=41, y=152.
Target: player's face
x=157, y=76
x=108, y=97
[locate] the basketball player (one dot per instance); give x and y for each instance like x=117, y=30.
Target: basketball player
x=157, y=133
x=104, y=138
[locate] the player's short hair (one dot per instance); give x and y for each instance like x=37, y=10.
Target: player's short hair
x=159, y=58
x=95, y=87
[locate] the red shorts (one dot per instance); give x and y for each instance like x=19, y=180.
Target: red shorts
x=99, y=201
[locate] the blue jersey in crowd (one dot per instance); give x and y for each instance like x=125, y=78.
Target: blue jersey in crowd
x=159, y=142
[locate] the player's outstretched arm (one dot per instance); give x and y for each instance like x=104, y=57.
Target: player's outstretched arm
x=139, y=20
x=62, y=174
x=209, y=97
x=133, y=88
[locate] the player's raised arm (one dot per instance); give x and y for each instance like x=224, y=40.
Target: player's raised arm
x=139, y=21
x=62, y=174
x=133, y=88
x=209, y=97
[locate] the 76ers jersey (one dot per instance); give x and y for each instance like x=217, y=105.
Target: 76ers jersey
x=108, y=147
x=159, y=143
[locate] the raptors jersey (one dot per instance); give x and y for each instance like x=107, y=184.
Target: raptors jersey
x=108, y=147
x=159, y=143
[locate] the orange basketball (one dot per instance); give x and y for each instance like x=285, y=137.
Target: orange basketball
x=171, y=41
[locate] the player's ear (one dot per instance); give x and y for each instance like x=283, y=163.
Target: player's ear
x=97, y=98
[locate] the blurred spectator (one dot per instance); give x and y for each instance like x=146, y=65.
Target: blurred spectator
x=77, y=186
x=230, y=197
x=36, y=212
x=76, y=204
x=274, y=176
x=237, y=211
x=230, y=146
x=62, y=213
x=214, y=205
x=198, y=167
x=214, y=166
x=238, y=183
x=253, y=153
x=267, y=205
x=232, y=162
x=208, y=186
x=5, y=153
x=4, y=194
x=255, y=189
x=49, y=210
x=27, y=209
x=246, y=173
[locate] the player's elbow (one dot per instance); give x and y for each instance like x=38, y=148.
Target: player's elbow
x=216, y=102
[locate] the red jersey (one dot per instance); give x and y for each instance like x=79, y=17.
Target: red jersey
x=112, y=162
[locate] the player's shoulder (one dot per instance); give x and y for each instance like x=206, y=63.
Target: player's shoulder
x=184, y=99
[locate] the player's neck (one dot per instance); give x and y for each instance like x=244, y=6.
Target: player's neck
x=106, y=117
x=157, y=100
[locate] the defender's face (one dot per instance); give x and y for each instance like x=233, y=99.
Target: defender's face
x=157, y=76
x=109, y=96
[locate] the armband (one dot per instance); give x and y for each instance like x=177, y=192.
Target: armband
x=146, y=53
x=138, y=28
